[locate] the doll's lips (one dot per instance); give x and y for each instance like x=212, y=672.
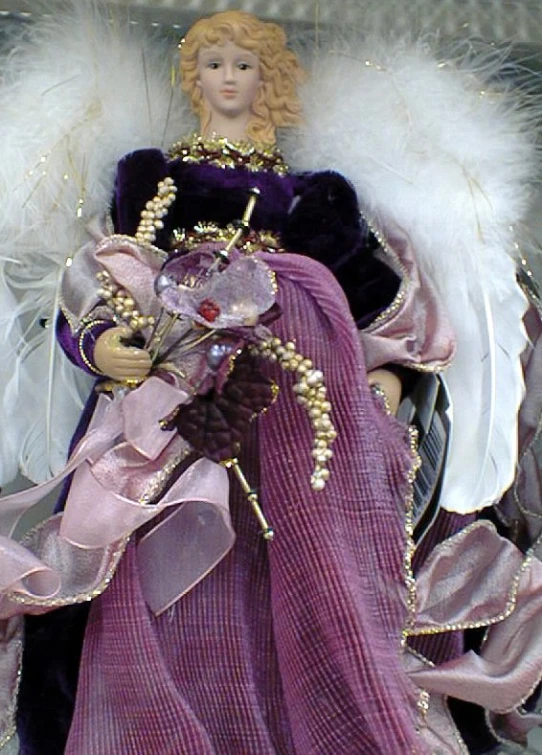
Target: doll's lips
x=228, y=92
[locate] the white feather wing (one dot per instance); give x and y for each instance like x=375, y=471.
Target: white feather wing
x=432, y=149
x=77, y=93
x=485, y=382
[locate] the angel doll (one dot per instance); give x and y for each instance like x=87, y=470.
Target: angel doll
x=220, y=310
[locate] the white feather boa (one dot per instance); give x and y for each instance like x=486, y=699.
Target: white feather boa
x=431, y=147
x=78, y=92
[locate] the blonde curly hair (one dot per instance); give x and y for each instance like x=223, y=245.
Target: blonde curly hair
x=276, y=104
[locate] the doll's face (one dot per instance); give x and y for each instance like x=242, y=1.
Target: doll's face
x=229, y=77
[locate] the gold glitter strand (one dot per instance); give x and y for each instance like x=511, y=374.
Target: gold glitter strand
x=11, y=729
x=410, y=546
x=80, y=345
x=380, y=393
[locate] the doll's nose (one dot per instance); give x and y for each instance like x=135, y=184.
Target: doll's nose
x=229, y=74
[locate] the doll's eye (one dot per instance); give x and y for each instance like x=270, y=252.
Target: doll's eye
x=213, y=65
x=243, y=66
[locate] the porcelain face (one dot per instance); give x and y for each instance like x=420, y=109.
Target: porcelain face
x=229, y=77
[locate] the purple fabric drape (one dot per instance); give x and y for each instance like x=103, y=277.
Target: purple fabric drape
x=289, y=648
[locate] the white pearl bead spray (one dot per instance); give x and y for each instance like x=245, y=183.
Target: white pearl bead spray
x=311, y=393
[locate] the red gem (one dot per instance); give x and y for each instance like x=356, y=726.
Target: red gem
x=209, y=310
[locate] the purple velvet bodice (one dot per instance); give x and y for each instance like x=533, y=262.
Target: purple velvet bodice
x=206, y=192
x=315, y=214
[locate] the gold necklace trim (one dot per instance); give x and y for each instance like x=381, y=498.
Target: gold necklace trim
x=222, y=153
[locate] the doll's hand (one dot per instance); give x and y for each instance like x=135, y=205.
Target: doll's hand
x=118, y=361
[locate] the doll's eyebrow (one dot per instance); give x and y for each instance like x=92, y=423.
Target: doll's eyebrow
x=215, y=53
x=211, y=56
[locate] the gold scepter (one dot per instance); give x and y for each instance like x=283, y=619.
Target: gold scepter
x=243, y=225
x=252, y=497
x=250, y=492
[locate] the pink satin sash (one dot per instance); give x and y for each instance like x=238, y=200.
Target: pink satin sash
x=478, y=579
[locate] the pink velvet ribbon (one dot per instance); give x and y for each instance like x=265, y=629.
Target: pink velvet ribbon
x=122, y=453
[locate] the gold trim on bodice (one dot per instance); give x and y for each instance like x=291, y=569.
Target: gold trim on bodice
x=222, y=153
x=253, y=241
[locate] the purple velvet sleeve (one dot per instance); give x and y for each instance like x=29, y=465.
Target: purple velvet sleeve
x=80, y=348
x=325, y=224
